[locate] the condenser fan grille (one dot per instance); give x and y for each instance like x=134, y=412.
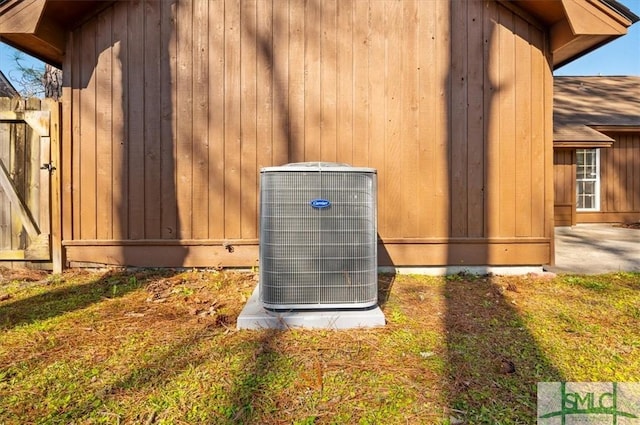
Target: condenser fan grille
x=318, y=243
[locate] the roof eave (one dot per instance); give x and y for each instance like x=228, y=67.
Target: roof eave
x=39, y=27
x=583, y=26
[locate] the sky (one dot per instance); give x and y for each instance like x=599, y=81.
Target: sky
x=619, y=57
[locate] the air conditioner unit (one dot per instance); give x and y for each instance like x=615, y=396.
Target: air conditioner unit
x=318, y=237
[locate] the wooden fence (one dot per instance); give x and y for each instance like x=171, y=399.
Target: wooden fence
x=29, y=142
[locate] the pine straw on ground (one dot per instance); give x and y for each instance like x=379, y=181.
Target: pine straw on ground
x=635, y=225
x=160, y=346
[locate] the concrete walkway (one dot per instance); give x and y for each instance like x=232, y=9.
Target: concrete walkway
x=596, y=248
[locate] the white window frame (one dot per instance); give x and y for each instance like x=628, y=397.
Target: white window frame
x=595, y=179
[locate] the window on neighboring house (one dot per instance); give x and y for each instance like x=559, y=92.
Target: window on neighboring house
x=588, y=179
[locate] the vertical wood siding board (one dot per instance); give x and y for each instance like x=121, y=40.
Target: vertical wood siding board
x=442, y=164
x=377, y=117
x=628, y=163
x=394, y=64
x=232, y=119
x=120, y=134
x=507, y=126
x=135, y=118
x=606, y=177
x=345, y=82
x=88, y=133
x=296, y=93
x=608, y=163
x=523, y=177
x=168, y=63
x=617, y=183
x=618, y=186
x=427, y=82
x=200, y=164
x=104, y=188
x=459, y=120
x=538, y=120
x=248, y=176
x=475, y=134
x=630, y=172
x=280, y=22
x=268, y=61
x=492, y=119
x=547, y=148
x=216, y=118
x=74, y=200
x=407, y=140
x=66, y=143
x=619, y=189
x=361, y=105
x=152, y=120
x=329, y=80
x=272, y=89
x=621, y=204
x=312, y=81
x=184, y=118
x=271, y=49
x=635, y=185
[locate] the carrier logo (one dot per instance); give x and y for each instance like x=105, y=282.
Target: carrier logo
x=320, y=203
x=601, y=403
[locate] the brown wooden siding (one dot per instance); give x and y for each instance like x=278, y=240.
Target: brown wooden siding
x=175, y=106
x=564, y=173
x=619, y=182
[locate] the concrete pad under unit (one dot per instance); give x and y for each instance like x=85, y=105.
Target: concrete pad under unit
x=255, y=316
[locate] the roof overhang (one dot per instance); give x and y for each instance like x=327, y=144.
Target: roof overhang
x=582, y=144
x=577, y=27
x=39, y=27
x=580, y=136
x=617, y=128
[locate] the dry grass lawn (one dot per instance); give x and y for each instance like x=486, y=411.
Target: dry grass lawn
x=160, y=347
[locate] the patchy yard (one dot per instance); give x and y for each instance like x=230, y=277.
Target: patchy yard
x=161, y=347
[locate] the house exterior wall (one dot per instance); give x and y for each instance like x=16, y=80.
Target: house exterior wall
x=564, y=175
x=619, y=182
x=172, y=107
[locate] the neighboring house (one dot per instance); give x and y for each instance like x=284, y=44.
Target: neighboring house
x=597, y=149
x=6, y=88
x=170, y=108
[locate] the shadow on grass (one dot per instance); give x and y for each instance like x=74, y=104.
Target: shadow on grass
x=250, y=390
x=58, y=301
x=494, y=362
x=385, y=284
